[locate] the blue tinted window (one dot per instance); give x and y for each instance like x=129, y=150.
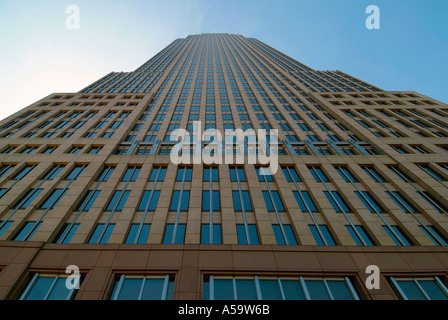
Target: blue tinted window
x=131, y=174
x=318, y=174
x=291, y=174
x=405, y=205
x=180, y=202
x=143, y=236
x=28, y=198
x=399, y=234
x=206, y=201
x=362, y=233
x=158, y=171
x=146, y=198
x=180, y=234
x=337, y=202
x=27, y=231
x=22, y=173
x=97, y=233
x=4, y=226
x=435, y=234
x=233, y=174
x=88, y=200
x=215, y=174
x=185, y=170
x=242, y=235
x=277, y=201
x=369, y=202
x=237, y=201
x=53, y=172
x=105, y=174
x=53, y=199
x=69, y=231
x=306, y=198
x=75, y=173
x=118, y=201
x=205, y=234
x=325, y=232
x=288, y=233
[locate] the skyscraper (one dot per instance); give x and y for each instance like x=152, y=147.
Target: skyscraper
x=86, y=180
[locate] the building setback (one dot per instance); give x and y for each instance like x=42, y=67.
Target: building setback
x=86, y=179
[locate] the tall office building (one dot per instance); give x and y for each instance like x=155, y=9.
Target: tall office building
x=86, y=179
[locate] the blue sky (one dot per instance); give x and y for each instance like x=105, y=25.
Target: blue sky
x=39, y=55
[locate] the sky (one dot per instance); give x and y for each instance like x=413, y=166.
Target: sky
x=39, y=55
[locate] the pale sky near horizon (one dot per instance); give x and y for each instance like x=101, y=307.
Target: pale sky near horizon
x=40, y=56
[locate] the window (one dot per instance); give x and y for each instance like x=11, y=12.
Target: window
x=321, y=234
x=118, y=200
x=435, y=235
x=180, y=200
x=88, y=200
x=432, y=173
x=291, y=174
x=75, y=150
x=433, y=201
x=337, y=202
x=398, y=236
x=346, y=174
x=27, y=231
x=431, y=288
x=53, y=199
x=206, y=234
x=318, y=174
x=101, y=235
x=22, y=173
x=49, y=149
x=142, y=236
x=369, y=201
x=187, y=171
x=237, y=173
x=288, y=234
x=373, y=174
x=94, y=150
x=158, y=173
x=131, y=174
x=404, y=204
x=28, y=198
x=275, y=197
x=53, y=173
x=305, y=202
x=129, y=287
x=105, y=174
x=67, y=233
x=214, y=173
x=243, y=200
x=358, y=235
x=174, y=235
x=149, y=201
x=206, y=201
x=75, y=173
x=247, y=237
x=274, y=288
x=48, y=287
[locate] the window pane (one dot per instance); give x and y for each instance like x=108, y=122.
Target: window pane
x=307, y=199
x=97, y=233
x=276, y=198
x=270, y=290
x=53, y=199
x=143, y=234
x=130, y=289
x=223, y=289
x=410, y=290
x=245, y=289
x=180, y=234
x=154, y=200
x=205, y=234
x=60, y=291
x=362, y=233
x=316, y=289
x=253, y=234
x=40, y=289
x=432, y=290
x=28, y=198
x=153, y=289
x=117, y=198
x=292, y=290
x=69, y=235
x=339, y=290
x=88, y=200
x=23, y=235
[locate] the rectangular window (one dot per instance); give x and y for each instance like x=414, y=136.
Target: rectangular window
x=283, y=288
x=431, y=288
x=178, y=238
x=369, y=201
x=214, y=173
x=435, y=236
x=99, y=230
x=325, y=233
x=130, y=287
x=67, y=233
x=404, y=204
x=53, y=173
x=346, y=174
x=373, y=174
x=53, y=199
x=23, y=172
x=280, y=237
x=433, y=201
x=142, y=237
x=27, y=231
x=105, y=174
x=4, y=226
x=305, y=201
x=237, y=173
x=149, y=202
x=48, y=287
x=247, y=237
x=180, y=200
x=205, y=234
x=28, y=198
x=245, y=201
x=318, y=174
x=88, y=200
x=398, y=236
x=291, y=174
x=275, y=200
x=158, y=173
x=118, y=200
x=337, y=202
x=358, y=235
x=184, y=170
x=75, y=173
x=131, y=174
x=215, y=200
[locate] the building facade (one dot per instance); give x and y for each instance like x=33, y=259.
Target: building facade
x=86, y=180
